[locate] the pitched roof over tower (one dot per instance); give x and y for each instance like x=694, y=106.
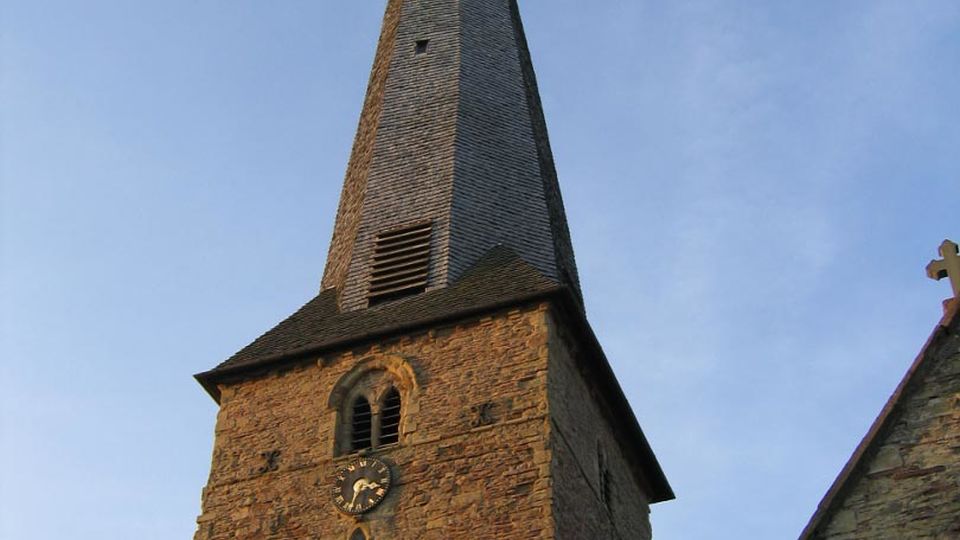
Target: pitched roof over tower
x=451, y=138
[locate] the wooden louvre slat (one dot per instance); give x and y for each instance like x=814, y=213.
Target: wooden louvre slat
x=401, y=263
x=398, y=277
x=407, y=262
x=398, y=287
x=384, y=255
x=410, y=231
x=387, y=262
x=400, y=242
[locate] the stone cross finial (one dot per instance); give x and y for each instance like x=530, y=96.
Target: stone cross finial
x=948, y=267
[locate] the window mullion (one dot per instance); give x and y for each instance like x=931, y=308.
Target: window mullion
x=375, y=429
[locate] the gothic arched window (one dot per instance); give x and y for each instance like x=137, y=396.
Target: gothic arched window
x=373, y=416
x=390, y=418
x=371, y=404
x=361, y=425
x=358, y=535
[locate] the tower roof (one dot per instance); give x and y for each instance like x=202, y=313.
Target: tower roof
x=451, y=138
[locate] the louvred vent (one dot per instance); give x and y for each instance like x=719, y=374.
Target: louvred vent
x=362, y=430
x=390, y=418
x=401, y=263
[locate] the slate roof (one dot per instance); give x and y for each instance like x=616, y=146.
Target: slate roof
x=455, y=136
x=949, y=326
x=499, y=280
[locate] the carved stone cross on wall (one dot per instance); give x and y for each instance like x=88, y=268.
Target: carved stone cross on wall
x=271, y=461
x=948, y=267
x=482, y=415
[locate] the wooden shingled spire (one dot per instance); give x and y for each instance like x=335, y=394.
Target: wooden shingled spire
x=452, y=133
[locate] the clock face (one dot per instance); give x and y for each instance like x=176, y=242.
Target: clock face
x=361, y=485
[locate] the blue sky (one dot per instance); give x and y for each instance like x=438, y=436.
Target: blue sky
x=753, y=187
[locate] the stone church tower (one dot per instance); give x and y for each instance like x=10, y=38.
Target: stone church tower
x=445, y=382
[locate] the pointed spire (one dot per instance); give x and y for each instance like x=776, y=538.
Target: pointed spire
x=451, y=134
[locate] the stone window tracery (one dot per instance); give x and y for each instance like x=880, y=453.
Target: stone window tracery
x=372, y=404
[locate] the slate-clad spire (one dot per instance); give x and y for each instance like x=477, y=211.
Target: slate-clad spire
x=452, y=133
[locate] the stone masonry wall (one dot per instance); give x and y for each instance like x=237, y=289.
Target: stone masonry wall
x=580, y=433
x=908, y=486
x=453, y=478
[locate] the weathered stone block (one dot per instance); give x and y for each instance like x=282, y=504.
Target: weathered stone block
x=887, y=458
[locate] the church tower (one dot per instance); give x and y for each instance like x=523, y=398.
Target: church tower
x=445, y=382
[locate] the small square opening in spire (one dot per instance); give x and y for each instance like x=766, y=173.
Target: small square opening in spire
x=421, y=47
